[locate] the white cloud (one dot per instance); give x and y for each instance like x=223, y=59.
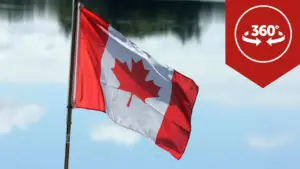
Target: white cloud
x=111, y=132
x=18, y=116
x=33, y=51
x=259, y=142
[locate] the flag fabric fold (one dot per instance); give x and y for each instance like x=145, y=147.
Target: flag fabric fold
x=114, y=76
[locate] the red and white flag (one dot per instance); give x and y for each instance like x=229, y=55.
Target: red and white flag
x=114, y=76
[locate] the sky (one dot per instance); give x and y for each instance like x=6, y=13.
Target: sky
x=235, y=123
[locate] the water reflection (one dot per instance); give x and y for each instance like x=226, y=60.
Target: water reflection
x=134, y=18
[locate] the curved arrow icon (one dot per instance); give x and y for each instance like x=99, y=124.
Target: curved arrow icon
x=254, y=41
x=278, y=40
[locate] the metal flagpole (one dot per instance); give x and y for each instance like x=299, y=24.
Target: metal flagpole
x=71, y=81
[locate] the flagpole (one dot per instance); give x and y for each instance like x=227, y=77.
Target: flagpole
x=71, y=82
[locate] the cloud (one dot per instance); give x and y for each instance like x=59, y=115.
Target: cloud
x=18, y=116
x=111, y=132
x=33, y=51
x=259, y=142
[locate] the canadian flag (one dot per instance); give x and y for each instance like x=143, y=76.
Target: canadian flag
x=114, y=76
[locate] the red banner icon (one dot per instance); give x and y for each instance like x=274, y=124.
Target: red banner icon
x=262, y=37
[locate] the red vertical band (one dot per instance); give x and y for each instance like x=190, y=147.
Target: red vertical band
x=92, y=42
x=175, y=129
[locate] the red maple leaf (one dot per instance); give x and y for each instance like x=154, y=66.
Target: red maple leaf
x=134, y=81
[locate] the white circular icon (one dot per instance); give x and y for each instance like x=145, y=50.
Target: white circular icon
x=263, y=61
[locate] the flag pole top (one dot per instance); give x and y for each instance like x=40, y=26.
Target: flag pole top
x=80, y=4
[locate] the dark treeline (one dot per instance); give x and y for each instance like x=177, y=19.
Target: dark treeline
x=21, y=9
x=133, y=18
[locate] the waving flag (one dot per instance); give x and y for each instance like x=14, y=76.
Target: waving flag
x=114, y=76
